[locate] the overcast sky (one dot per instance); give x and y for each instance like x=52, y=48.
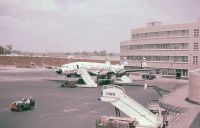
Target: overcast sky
x=84, y=25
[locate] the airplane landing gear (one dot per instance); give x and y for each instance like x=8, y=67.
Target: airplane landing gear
x=69, y=84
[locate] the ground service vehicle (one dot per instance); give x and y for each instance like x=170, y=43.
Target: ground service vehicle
x=24, y=104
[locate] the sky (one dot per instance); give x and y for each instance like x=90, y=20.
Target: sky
x=84, y=25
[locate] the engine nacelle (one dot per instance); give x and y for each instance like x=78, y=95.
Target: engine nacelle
x=121, y=73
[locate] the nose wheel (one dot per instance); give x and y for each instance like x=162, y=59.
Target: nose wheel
x=59, y=71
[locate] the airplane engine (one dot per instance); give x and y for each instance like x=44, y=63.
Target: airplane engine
x=120, y=73
x=106, y=75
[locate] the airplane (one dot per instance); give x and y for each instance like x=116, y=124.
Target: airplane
x=86, y=70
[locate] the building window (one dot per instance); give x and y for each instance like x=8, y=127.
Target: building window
x=184, y=72
x=162, y=34
x=195, y=60
x=196, y=46
x=157, y=46
x=196, y=32
x=181, y=59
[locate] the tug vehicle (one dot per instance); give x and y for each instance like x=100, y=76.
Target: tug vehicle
x=24, y=104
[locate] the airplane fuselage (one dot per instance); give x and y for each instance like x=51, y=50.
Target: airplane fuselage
x=95, y=68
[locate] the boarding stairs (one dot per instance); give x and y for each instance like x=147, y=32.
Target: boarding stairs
x=117, y=97
x=86, y=78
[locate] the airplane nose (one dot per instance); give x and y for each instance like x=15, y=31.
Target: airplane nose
x=59, y=71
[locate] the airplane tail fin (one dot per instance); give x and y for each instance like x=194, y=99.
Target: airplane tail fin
x=124, y=62
x=107, y=61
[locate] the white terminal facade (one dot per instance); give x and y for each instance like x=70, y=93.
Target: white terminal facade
x=171, y=48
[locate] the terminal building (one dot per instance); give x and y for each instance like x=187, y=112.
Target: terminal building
x=174, y=49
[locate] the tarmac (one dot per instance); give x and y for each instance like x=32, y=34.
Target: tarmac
x=78, y=107
x=56, y=107
x=189, y=112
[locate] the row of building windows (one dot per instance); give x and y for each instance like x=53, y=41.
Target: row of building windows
x=196, y=46
x=169, y=71
x=195, y=60
x=155, y=46
x=196, y=32
x=160, y=58
x=175, y=33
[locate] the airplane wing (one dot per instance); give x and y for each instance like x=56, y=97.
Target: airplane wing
x=86, y=78
x=115, y=70
x=50, y=67
x=94, y=72
x=139, y=70
x=124, y=71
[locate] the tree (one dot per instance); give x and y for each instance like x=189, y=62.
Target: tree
x=1, y=50
x=16, y=52
x=103, y=53
x=9, y=47
x=95, y=53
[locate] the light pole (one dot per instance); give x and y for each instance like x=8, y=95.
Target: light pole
x=143, y=62
x=43, y=60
